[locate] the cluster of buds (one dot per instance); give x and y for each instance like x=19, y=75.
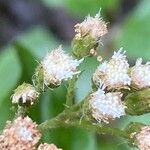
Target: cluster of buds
x=113, y=73
x=106, y=106
x=88, y=35
x=22, y=134
x=140, y=74
x=58, y=67
x=116, y=75
x=91, y=26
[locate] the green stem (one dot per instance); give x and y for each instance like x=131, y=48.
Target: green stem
x=71, y=92
x=66, y=119
x=72, y=118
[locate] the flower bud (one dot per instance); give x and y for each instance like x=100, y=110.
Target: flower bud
x=106, y=106
x=88, y=35
x=143, y=138
x=57, y=67
x=139, y=135
x=138, y=103
x=46, y=146
x=95, y=27
x=113, y=73
x=25, y=94
x=20, y=134
x=140, y=74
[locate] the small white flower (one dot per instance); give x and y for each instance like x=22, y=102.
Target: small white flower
x=113, y=73
x=143, y=138
x=93, y=26
x=25, y=134
x=140, y=74
x=58, y=66
x=25, y=93
x=106, y=106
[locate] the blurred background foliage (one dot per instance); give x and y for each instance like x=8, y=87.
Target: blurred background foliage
x=31, y=28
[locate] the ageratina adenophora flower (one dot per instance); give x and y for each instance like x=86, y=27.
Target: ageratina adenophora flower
x=143, y=138
x=24, y=94
x=140, y=74
x=58, y=66
x=106, y=106
x=113, y=73
x=21, y=134
x=92, y=26
x=46, y=146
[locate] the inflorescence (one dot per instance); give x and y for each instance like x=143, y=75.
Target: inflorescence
x=106, y=103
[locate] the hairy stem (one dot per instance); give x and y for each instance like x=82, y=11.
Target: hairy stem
x=66, y=119
x=71, y=92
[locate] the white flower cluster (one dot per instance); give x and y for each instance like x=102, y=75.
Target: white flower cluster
x=116, y=73
x=58, y=66
x=25, y=93
x=140, y=74
x=113, y=73
x=22, y=133
x=93, y=26
x=106, y=106
x=143, y=138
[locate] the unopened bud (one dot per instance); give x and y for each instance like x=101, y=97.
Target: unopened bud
x=25, y=94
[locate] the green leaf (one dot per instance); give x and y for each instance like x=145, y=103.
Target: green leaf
x=90, y=6
x=135, y=32
x=84, y=84
x=10, y=73
x=28, y=62
x=38, y=41
x=83, y=139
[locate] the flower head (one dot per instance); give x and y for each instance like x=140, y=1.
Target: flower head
x=25, y=93
x=20, y=134
x=140, y=74
x=143, y=138
x=106, y=106
x=58, y=66
x=46, y=146
x=93, y=26
x=113, y=73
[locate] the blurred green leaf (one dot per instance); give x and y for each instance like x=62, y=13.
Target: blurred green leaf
x=38, y=41
x=84, y=139
x=90, y=6
x=84, y=84
x=10, y=73
x=135, y=33
x=28, y=62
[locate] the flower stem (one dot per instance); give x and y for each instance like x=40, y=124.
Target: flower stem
x=71, y=92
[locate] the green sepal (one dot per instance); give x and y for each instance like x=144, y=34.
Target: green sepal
x=138, y=103
x=81, y=47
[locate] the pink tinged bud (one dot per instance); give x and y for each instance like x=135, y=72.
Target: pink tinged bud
x=22, y=133
x=46, y=146
x=94, y=27
x=143, y=138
